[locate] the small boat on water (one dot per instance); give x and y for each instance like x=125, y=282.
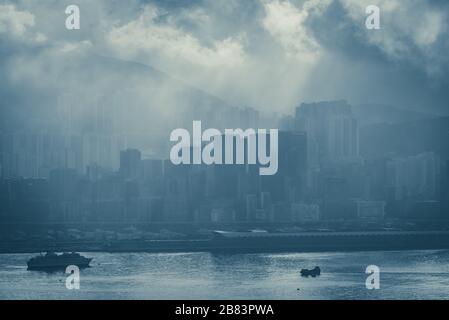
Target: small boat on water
x=312, y=273
x=53, y=261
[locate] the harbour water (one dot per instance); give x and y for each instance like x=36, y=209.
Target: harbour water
x=403, y=275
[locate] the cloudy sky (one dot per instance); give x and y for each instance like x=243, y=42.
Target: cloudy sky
x=268, y=54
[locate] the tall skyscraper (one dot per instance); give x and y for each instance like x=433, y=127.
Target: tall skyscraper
x=416, y=176
x=332, y=132
x=130, y=163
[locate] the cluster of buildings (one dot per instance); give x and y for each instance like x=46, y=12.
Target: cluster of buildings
x=321, y=176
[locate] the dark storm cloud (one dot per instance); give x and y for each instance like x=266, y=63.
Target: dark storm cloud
x=268, y=54
x=417, y=78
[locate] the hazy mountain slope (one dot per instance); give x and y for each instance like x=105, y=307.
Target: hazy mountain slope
x=369, y=114
x=404, y=139
x=81, y=89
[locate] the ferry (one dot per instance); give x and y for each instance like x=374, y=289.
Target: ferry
x=53, y=261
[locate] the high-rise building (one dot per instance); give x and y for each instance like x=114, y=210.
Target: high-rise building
x=415, y=177
x=251, y=206
x=130, y=163
x=302, y=212
x=342, y=138
x=444, y=196
x=289, y=183
x=370, y=209
x=332, y=132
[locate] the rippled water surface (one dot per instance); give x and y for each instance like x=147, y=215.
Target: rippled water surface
x=404, y=275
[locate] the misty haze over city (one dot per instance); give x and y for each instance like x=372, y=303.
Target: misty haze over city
x=360, y=118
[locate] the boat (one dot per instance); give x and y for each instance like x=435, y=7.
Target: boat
x=313, y=272
x=53, y=261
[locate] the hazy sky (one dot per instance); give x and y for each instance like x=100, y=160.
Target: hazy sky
x=268, y=54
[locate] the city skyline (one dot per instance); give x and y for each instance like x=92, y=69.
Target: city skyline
x=322, y=176
x=224, y=149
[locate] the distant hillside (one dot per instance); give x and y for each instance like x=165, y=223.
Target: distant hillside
x=370, y=114
x=89, y=92
x=404, y=139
